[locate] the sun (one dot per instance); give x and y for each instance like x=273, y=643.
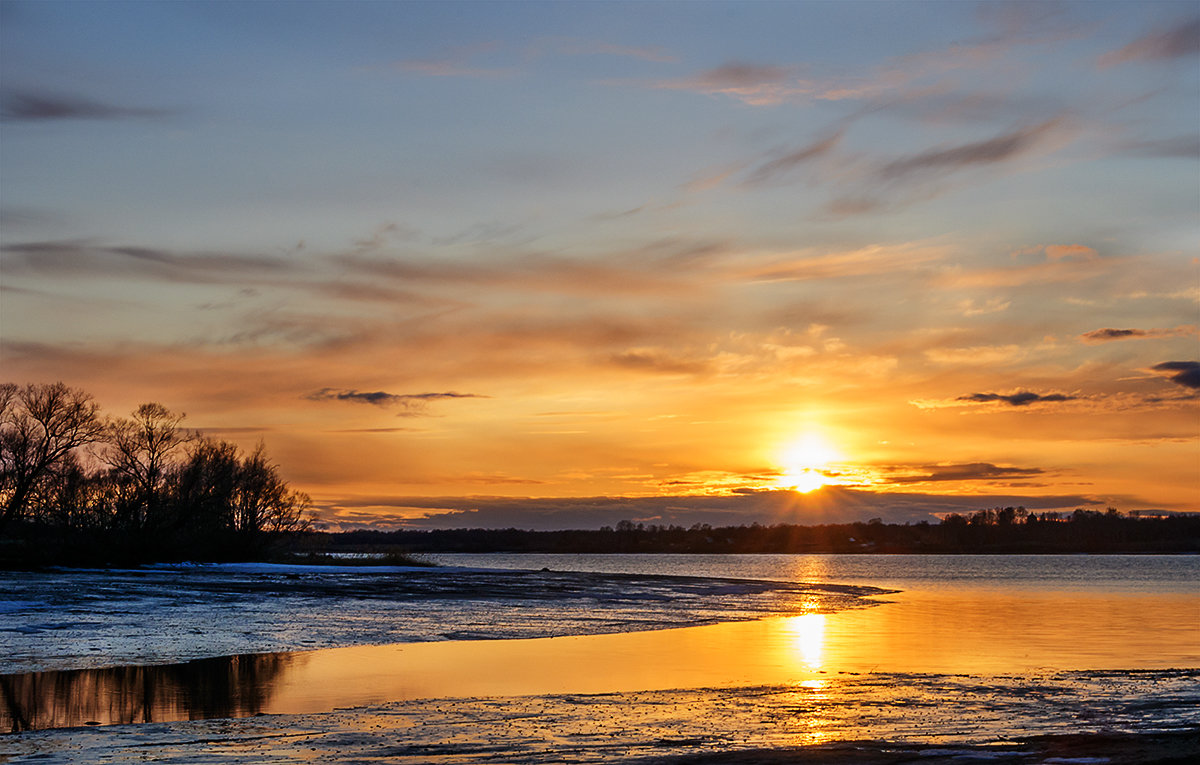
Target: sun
x=805, y=462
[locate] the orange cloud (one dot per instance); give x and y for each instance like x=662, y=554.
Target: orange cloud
x=987, y=354
x=1057, y=252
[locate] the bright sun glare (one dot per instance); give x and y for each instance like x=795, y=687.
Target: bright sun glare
x=805, y=461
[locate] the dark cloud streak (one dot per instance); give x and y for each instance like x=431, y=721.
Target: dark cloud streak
x=85, y=257
x=1178, y=41
x=972, y=471
x=411, y=404
x=1109, y=334
x=659, y=362
x=787, y=162
x=28, y=106
x=1179, y=147
x=1104, y=335
x=1185, y=373
x=1020, y=398
x=991, y=151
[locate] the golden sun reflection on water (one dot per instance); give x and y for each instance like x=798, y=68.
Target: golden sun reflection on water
x=806, y=711
x=805, y=637
x=980, y=632
x=807, y=634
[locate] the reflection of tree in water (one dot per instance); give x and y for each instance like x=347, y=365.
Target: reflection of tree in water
x=227, y=686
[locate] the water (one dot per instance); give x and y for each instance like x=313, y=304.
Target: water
x=1129, y=625
x=68, y=619
x=64, y=620
x=1152, y=574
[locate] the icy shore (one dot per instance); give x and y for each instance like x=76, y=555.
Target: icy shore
x=76, y=619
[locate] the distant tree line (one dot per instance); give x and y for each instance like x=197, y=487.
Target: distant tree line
x=995, y=530
x=77, y=486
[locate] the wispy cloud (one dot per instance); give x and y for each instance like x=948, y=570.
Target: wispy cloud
x=456, y=62
x=1070, y=252
x=1177, y=147
x=1000, y=148
x=793, y=159
x=1111, y=404
x=935, y=85
x=85, y=257
x=975, y=354
x=874, y=259
x=1059, y=263
x=493, y=60
x=1179, y=40
x=864, y=182
x=665, y=266
x=571, y=46
x=1109, y=334
x=991, y=305
x=893, y=81
x=443, y=68
x=356, y=431
x=754, y=84
x=30, y=106
x=660, y=361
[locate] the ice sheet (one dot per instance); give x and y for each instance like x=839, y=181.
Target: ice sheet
x=75, y=619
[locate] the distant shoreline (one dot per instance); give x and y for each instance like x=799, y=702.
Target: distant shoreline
x=984, y=533
x=1096, y=534
x=1000, y=531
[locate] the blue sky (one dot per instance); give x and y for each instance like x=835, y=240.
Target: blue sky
x=686, y=233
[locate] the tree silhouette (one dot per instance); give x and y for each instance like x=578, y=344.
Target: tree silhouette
x=150, y=489
x=40, y=427
x=139, y=450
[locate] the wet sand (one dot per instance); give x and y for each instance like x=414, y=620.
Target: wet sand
x=875, y=719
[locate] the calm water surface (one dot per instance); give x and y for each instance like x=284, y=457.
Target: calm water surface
x=993, y=616
x=1152, y=574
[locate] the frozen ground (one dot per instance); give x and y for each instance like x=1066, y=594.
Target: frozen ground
x=83, y=619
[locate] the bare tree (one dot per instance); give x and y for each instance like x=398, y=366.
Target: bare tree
x=40, y=426
x=264, y=502
x=139, y=451
x=205, y=484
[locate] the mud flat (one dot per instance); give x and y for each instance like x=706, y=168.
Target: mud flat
x=1064, y=718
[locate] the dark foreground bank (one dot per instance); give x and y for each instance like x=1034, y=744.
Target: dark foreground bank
x=1082, y=749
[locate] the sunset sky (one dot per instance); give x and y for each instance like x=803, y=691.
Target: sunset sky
x=562, y=264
